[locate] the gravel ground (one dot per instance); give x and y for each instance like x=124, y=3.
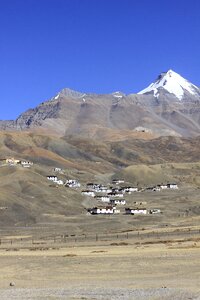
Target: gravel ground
x=96, y=294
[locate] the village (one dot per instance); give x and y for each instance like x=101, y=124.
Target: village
x=107, y=198
x=112, y=196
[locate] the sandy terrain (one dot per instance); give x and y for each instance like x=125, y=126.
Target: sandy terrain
x=102, y=271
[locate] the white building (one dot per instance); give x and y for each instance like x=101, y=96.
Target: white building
x=88, y=193
x=154, y=211
x=116, y=195
x=136, y=211
x=163, y=186
x=59, y=181
x=118, y=201
x=117, y=181
x=102, y=210
x=72, y=183
x=52, y=178
x=26, y=163
x=172, y=186
x=103, y=198
x=101, y=189
x=55, y=179
x=57, y=170
x=129, y=189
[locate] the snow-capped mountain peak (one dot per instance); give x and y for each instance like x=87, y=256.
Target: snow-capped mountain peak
x=173, y=83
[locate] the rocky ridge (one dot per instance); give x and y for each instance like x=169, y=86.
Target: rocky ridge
x=169, y=106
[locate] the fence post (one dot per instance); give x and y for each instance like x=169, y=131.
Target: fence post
x=96, y=237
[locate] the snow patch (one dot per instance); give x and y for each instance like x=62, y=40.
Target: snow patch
x=118, y=94
x=57, y=96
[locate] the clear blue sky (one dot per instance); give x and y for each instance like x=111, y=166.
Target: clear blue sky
x=92, y=46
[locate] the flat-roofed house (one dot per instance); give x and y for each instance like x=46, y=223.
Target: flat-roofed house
x=118, y=201
x=103, y=198
x=52, y=178
x=135, y=211
x=108, y=210
x=26, y=163
x=172, y=186
x=88, y=193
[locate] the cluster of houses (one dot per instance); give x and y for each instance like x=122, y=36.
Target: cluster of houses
x=160, y=187
x=110, y=196
x=72, y=183
x=105, y=194
x=11, y=161
x=113, y=196
x=55, y=179
x=110, y=210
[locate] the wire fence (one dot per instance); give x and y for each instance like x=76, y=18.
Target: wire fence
x=133, y=237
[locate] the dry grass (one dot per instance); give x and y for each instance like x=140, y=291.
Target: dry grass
x=125, y=266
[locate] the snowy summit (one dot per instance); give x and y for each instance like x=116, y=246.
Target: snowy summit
x=173, y=83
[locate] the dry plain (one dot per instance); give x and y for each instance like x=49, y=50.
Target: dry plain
x=103, y=270
x=107, y=257
x=50, y=248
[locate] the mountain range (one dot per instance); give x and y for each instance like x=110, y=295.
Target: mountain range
x=146, y=138
x=170, y=106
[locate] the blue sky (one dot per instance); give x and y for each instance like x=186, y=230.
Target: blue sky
x=92, y=46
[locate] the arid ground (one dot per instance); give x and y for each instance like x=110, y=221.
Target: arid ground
x=52, y=248
x=133, y=268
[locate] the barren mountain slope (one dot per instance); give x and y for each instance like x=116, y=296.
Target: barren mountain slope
x=170, y=106
x=30, y=198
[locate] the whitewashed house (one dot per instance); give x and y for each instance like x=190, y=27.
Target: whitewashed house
x=26, y=163
x=129, y=189
x=163, y=186
x=118, y=201
x=12, y=161
x=103, y=198
x=106, y=210
x=52, y=178
x=135, y=211
x=172, y=186
x=72, y=183
x=59, y=181
x=101, y=189
x=115, y=195
x=109, y=190
x=117, y=181
x=154, y=211
x=57, y=170
x=55, y=179
x=88, y=193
